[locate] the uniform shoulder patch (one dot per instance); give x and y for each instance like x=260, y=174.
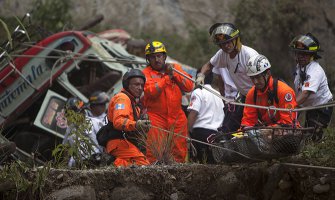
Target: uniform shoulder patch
x=307, y=84
x=288, y=97
x=119, y=106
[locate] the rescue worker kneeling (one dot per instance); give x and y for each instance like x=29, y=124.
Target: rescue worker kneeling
x=267, y=91
x=124, y=115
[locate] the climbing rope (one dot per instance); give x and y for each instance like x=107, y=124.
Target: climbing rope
x=245, y=156
x=208, y=144
x=229, y=101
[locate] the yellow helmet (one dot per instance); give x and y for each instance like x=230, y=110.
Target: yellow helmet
x=154, y=47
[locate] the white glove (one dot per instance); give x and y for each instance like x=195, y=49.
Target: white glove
x=200, y=79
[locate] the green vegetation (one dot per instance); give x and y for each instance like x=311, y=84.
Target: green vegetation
x=321, y=153
x=270, y=32
x=52, y=15
x=80, y=145
x=22, y=181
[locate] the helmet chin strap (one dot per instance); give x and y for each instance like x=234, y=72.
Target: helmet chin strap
x=235, y=50
x=266, y=81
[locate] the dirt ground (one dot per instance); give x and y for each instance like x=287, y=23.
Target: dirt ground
x=190, y=181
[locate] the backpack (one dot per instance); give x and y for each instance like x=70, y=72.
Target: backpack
x=108, y=132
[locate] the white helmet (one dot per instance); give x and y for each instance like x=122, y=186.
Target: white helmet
x=257, y=64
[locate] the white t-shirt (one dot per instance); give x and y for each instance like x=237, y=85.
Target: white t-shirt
x=237, y=67
x=96, y=124
x=209, y=108
x=100, y=117
x=230, y=88
x=316, y=82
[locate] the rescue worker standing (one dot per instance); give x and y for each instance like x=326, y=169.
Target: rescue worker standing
x=203, y=119
x=267, y=91
x=311, y=83
x=162, y=98
x=233, y=56
x=124, y=114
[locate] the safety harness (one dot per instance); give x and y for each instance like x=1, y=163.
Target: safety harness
x=272, y=97
x=108, y=132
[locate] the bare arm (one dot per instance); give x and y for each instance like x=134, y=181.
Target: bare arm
x=303, y=96
x=192, y=116
x=218, y=82
x=206, y=68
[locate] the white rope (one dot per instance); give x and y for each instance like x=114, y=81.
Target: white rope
x=83, y=59
x=22, y=76
x=228, y=101
x=125, y=61
x=308, y=166
x=205, y=143
x=104, y=59
x=245, y=156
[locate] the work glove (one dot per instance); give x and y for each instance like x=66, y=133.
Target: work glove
x=143, y=125
x=200, y=79
x=239, y=97
x=169, y=69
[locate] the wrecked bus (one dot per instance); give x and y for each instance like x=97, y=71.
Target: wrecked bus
x=35, y=85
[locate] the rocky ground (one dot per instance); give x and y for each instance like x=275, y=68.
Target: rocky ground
x=186, y=181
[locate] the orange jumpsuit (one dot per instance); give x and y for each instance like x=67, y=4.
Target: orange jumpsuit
x=286, y=97
x=162, y=98
x=120, y=113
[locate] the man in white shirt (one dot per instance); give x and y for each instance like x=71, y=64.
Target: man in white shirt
x=311, y=83
x=97, y=105
x=204, y=117
x=234, y=57
x=75, y=134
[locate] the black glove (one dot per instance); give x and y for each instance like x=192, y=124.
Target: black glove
x=143, y=125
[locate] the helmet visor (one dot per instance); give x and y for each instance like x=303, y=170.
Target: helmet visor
x=224, y=34
x=304, y=43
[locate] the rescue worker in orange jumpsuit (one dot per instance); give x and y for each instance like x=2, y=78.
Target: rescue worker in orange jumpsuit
x=124, y=114
x=162, y=98
x=267, y=91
